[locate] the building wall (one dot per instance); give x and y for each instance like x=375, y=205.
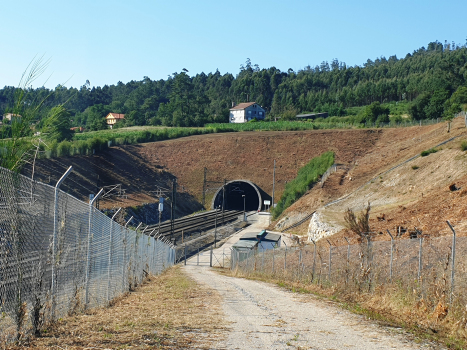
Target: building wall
x=254, y=112
x=237, y=116
x=244, y=115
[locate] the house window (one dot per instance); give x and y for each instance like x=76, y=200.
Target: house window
x=249, y=112
x=260, y=113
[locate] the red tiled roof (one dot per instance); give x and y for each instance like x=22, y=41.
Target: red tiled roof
x=243, y=105
x=116, y=115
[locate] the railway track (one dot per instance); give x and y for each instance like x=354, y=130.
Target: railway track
x=196, y=223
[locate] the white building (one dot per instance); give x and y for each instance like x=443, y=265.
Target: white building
x=245, y=112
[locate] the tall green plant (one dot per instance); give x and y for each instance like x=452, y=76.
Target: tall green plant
x=16, y=146
x=307, y=176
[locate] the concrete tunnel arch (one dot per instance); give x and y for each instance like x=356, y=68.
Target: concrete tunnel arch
x=234, y=190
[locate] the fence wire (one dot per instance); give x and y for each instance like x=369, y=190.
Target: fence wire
x=59, y=255
x=423, y=267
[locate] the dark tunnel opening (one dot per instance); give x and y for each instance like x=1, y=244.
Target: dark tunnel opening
x=234, y=200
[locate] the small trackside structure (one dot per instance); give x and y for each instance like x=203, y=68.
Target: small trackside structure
x=261, y=241
x=245, y=112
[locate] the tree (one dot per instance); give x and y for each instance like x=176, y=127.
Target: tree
x=373, y=112
x=58, y=124
x=435, y=107
x=96, y=117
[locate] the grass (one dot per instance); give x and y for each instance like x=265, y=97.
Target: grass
x=169, y=311
x=94, y=141
x=306, y=177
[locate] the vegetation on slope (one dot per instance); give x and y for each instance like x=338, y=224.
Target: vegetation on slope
x=306, y=177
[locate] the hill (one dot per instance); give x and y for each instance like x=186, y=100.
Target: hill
x=362, y=154
x=406, y=194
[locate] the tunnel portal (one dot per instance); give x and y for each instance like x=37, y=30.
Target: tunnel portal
x=234, y=192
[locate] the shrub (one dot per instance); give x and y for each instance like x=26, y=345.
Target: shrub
x=64, y=148
x=464, y=145
x=429, y=151
x=415, y=167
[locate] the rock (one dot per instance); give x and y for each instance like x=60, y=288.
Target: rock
x=317, y=229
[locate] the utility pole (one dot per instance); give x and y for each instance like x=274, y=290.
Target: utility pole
x=172, y=212
x=204, y=187
x=273, y=182
x=223, y=201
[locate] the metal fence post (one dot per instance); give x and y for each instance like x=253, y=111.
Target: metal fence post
x=348, y=261
x=420, y=258
x=299, y=262
x=314, y=259
x=285, y=260
x=125, y=242
x=185, y=254
x=390, y=261
x=262, y=260
x=55, y=238
x=330, y=261
x=273, y=253
x=88, y=255
x=110, y=252
x=210, y=258
x=453, y=260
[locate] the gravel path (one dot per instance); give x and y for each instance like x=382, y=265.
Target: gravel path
x=263, y=316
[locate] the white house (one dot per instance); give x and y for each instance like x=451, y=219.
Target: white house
x=245, y=112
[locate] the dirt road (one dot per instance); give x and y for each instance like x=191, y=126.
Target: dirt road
x=263, y=316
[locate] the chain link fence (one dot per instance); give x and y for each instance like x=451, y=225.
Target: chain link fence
x=59, y=255
x=424, y=267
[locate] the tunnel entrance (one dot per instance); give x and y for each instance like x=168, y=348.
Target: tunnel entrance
x=234, y=200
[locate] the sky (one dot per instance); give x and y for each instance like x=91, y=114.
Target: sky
x=107, y=41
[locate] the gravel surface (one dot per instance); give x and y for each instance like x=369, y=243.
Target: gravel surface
x=263, y=316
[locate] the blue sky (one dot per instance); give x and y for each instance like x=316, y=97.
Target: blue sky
x=109, y=41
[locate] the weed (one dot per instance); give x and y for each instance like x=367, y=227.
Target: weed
x=464, y=145
x=415, y=167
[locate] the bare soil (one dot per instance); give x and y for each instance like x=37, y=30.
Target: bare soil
x=415, y=194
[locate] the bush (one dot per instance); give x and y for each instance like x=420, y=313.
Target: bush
x=429, y=151
x=306, y=177
x=464, y=145
x=64, y=148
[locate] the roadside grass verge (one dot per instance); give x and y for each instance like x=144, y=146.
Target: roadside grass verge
x=307, y=176
x=170, y=311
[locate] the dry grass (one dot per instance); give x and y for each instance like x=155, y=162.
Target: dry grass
x=427, y=315
x=169, y=311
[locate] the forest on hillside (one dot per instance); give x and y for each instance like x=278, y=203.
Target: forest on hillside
x=431, y=82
